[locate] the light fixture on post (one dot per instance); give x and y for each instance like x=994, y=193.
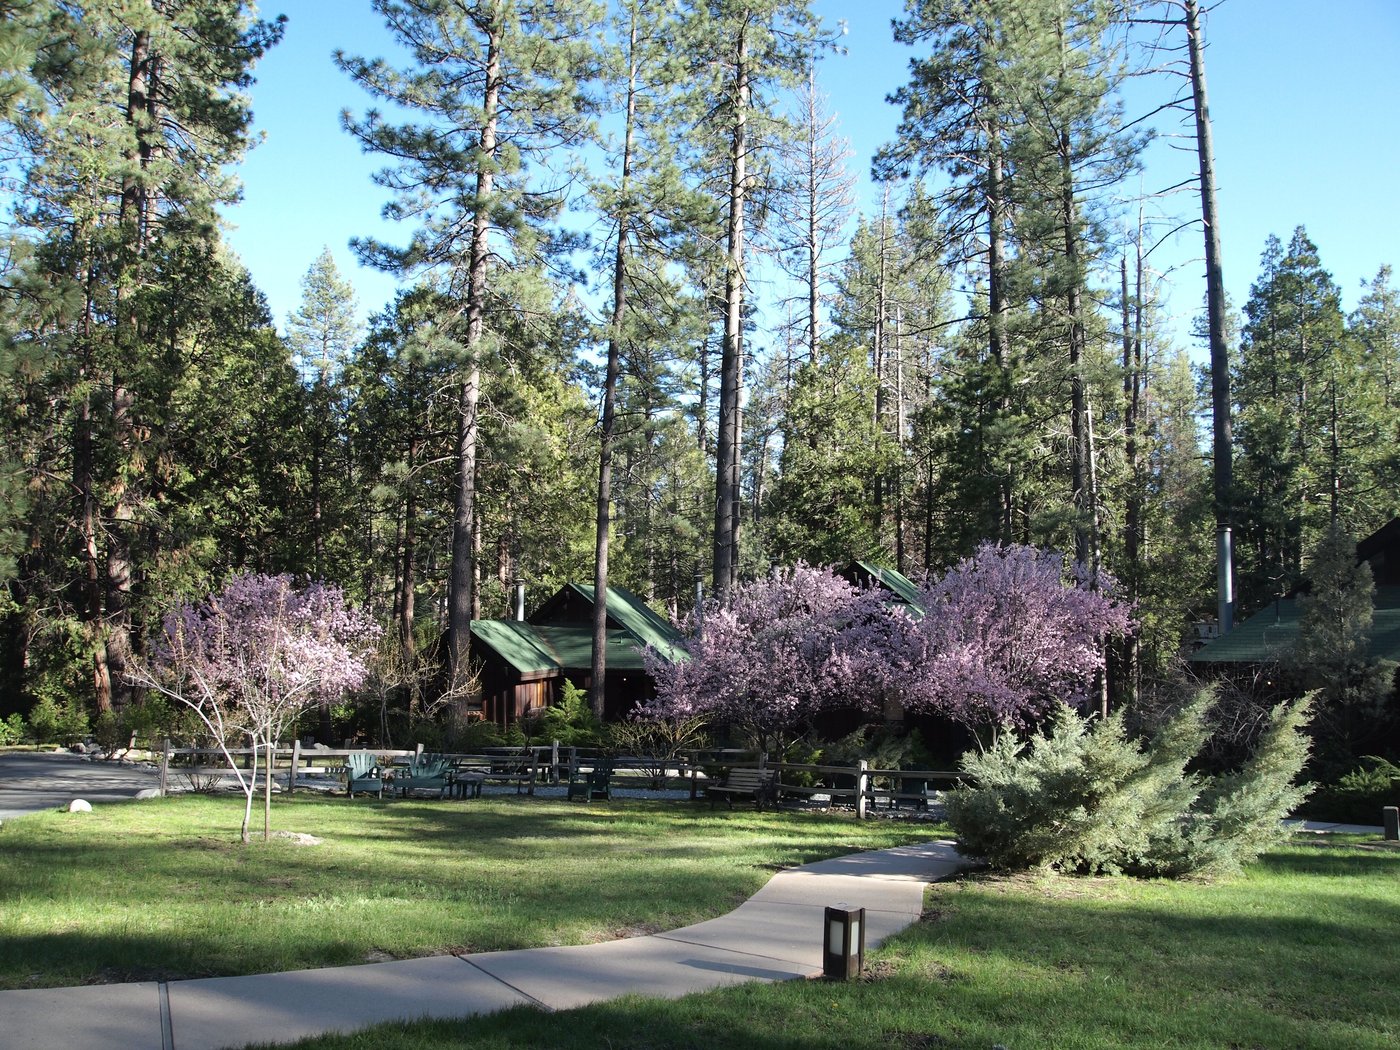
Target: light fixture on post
x=843, y=954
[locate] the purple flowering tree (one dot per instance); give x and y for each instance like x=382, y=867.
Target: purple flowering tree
x=249, y=659
x=1006, y=638
x=772, y=656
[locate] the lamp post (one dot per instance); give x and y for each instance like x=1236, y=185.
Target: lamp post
x=843, y=952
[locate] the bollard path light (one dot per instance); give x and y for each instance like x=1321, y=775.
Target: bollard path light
x=843, y=954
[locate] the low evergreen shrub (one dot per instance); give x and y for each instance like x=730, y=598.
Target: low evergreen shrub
x=1083, y=796
x=571, y=721
x=1359, y=797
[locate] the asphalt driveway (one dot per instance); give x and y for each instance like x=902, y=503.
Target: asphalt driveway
x=32, y=782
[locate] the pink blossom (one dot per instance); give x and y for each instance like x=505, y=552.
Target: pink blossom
x=771, y=657
x=249, y=659
x=1005, y=639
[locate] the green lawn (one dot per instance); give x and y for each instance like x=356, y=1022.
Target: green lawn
x=163, y=889
x=1300, y=952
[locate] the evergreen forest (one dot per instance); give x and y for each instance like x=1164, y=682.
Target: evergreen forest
x=648, y=335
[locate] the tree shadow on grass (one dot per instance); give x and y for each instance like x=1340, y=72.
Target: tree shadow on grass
x=425, y=876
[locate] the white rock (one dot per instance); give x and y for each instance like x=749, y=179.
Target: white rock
x=79, y=805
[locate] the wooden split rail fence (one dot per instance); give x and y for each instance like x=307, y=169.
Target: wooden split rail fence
x=863, y=787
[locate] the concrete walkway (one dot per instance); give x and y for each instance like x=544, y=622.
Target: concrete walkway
x=1322, y=827
x=775, y=935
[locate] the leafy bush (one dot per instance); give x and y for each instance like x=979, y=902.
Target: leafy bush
x=1086, y=797
x=660, y=739
x=53, y=723
x=142, y=723
x=883, y=746
x=11, y=729
x=478, y=733
x=1359, y=796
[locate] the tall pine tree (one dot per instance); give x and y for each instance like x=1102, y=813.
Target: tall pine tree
x=493, y=87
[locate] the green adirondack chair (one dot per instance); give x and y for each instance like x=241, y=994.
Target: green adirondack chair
x=362, y=773
x=426, y=773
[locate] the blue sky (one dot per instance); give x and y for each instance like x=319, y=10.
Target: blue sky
x=1303, y=96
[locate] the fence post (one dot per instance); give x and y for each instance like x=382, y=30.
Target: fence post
x=296, y=761
x=164, y=765
x=1391, y=815
x=862, y=782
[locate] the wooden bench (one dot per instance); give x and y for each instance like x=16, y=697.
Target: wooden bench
x=761, y=785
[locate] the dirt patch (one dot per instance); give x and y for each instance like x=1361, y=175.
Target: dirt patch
x=880, y=971
x=297, y=838
x=644, y=929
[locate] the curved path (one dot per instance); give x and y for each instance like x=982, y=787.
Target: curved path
x=775, y=935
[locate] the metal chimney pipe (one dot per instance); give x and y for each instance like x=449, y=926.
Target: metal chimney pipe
x=520, y=600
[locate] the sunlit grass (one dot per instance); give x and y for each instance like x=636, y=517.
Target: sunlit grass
x=1299, y=952
x=163, y=889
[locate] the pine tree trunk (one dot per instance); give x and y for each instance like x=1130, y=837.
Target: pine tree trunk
x=813, y=203
x=462, y=590
x=727, y=512
x=1222, y=441
x=1082, y=480
x=407, y=582
x=133, y=222
x=999, y=342
x=1132, y=513
x=877, y=360
x=599, y=669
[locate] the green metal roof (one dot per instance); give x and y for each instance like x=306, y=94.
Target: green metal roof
x=519, y=644
x=637, y=618
x=548, y=650
x=892, y=580
x=1269, y=634
x=573, y=648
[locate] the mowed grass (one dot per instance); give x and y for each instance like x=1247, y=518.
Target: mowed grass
x=163, y=890
x=1299, y=952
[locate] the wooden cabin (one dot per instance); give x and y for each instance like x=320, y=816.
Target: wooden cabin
x=524, y=663
x=1268, y=636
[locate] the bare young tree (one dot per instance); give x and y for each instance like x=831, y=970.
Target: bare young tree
x=815, y=208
